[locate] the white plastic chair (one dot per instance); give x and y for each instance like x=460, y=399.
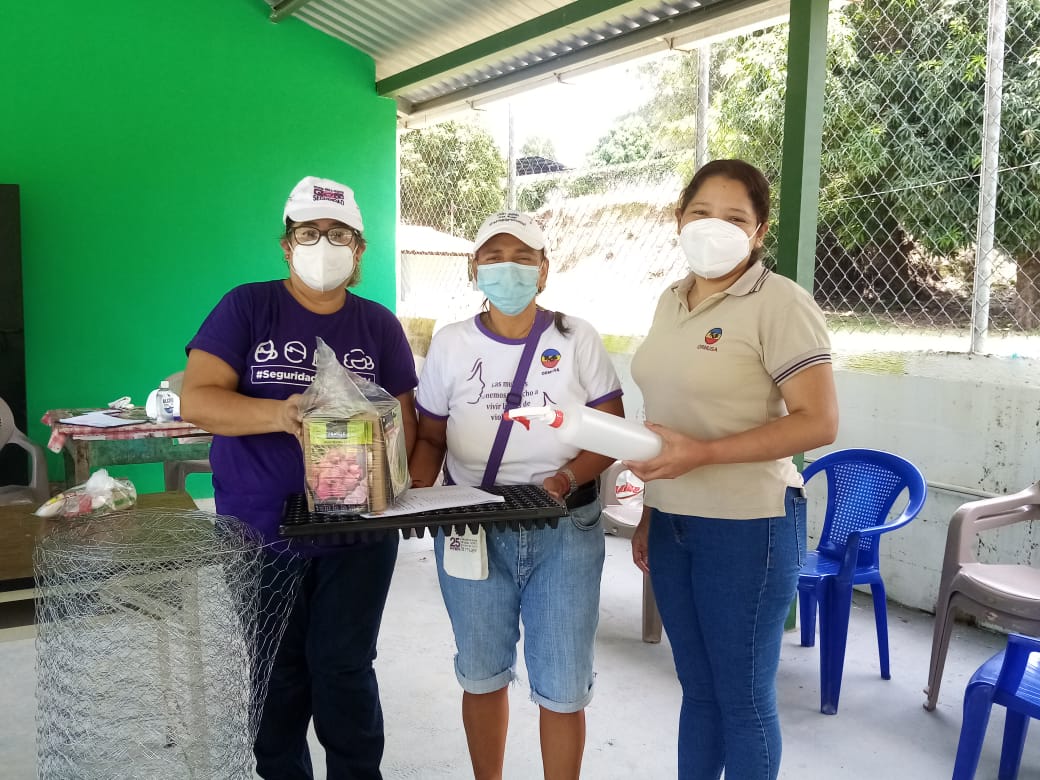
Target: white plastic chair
x=38, y=489
x=620, y=512
x=175, y=473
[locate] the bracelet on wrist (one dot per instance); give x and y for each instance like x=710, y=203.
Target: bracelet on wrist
x=572, y=482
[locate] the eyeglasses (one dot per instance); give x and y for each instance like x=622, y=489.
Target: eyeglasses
x=307, y=235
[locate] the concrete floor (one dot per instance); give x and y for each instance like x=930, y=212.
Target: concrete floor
x=881, y=729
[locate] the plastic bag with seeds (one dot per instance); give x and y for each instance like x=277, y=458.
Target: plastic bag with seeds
x=354, y=452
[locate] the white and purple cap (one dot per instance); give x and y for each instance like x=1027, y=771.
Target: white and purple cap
x=315, y=198
x=516, y=224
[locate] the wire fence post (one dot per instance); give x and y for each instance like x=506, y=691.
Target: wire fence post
x=703, y=101
x=511, y=165
x=989, y=177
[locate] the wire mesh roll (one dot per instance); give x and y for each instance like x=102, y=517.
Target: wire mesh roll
x=154, y=644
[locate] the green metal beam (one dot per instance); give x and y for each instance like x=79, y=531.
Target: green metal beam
x=286, y=8
x=573, y=13
x=803, y=132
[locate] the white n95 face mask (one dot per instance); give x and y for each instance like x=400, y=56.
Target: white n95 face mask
x=322, y=266
x=714, y=247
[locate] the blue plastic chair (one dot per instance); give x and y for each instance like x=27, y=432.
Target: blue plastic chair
x=862, y=486
x=1010, y=678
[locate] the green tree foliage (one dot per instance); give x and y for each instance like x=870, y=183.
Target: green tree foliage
x=452, y=177
x=902, y=142
x=532, y=195
x=672, y=110
x=538, y=146
x=629, y=140
x=914, y=76
x=626, y=154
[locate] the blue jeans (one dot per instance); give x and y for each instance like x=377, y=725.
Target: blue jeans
x=550, y=579
x=323, y=665
x=724, y=588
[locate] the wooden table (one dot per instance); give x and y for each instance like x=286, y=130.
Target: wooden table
x=20, y=529
x=86, y=449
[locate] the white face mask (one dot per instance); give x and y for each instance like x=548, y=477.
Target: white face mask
x=322, y=266
x=714, y=247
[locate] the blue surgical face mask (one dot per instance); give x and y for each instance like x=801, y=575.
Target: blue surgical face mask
x=509, y=287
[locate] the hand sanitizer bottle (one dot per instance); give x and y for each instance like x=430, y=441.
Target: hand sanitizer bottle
x=166, y=407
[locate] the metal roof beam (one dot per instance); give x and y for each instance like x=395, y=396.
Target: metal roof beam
x=286, y=8
x=696, y=27
x=580, y=11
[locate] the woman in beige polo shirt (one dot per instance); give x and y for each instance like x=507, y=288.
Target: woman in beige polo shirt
x=736, y=378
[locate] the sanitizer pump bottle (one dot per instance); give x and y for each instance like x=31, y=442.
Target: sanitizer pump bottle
x=593, y=430
x=163, y=405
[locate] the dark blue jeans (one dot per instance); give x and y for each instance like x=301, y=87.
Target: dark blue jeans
x=724, y=588
x=323, y=666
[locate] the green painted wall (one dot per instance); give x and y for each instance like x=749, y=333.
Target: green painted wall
x=155, y=144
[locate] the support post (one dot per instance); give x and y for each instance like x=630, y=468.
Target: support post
x=803, y=133
x=986, y=228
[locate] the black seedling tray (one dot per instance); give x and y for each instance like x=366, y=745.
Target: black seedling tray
x=525, y=506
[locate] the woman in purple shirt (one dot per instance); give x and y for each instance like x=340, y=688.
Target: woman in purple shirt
x=247, y=366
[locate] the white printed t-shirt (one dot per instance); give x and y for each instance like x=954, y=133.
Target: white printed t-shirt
x=468, y=373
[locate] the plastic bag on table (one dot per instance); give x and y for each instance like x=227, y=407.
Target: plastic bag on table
x=353, y=440
x=100, y=493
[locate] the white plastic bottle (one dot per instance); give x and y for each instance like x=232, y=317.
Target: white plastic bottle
x=593, y=430
x=167, y=406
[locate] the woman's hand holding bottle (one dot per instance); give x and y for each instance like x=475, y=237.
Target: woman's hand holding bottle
x=679, y=454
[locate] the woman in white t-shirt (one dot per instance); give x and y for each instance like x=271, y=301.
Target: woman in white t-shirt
x=549, y=576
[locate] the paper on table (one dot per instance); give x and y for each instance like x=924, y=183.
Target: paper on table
x=98, y=420
x=441, y=497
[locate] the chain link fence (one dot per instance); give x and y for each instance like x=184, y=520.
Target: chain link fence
x=156, y=635
x=929, y=237
x=927, y=224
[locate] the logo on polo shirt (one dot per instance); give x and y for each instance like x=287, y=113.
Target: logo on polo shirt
x=710, y=339
x=551, y=358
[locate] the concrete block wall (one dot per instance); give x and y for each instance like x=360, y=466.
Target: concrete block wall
x=970, y=423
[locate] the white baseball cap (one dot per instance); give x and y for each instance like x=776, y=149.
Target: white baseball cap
x=516, y=224
x=315, y=198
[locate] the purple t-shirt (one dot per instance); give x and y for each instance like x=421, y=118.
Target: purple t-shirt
x=269, y=339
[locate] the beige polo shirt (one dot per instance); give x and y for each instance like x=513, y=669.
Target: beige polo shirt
x=716, y=371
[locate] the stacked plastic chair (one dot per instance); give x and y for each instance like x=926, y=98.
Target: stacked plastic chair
x=1002, y=593
x=1011, y=678
x=175, y=472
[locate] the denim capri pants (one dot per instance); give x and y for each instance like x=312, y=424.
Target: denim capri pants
x=548, y=578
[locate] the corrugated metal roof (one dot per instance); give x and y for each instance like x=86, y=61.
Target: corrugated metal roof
x=436, y=56
x=401, y=34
